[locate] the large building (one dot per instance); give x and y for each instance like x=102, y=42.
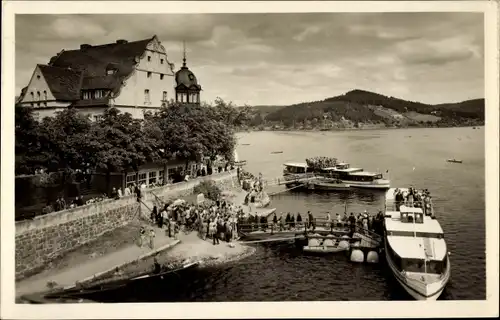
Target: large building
x=132, y=76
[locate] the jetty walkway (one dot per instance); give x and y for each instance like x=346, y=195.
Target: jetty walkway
x=86, y=271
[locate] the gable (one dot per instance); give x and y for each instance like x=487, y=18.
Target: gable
x=37, y=84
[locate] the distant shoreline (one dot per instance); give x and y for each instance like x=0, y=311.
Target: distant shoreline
x=352, y=129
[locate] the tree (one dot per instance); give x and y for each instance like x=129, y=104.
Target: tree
x=123, y=143
x=28, y=150
x=231, y=115
x=191, y=132
x=65, y=138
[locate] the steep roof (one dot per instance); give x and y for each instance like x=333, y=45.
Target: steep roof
x=92, y=63
x=94, y=60
x=64, y=83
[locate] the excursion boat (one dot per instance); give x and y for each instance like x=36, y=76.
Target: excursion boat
x=339, y=177
x=415, y=250
x=357, y=177
x=295, y=173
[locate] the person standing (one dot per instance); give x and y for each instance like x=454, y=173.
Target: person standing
x=142, y=236
x=127, y=191
x=154, y=215
x=120, y=193
x=152, y=236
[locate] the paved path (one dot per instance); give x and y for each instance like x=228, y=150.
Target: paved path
x=69, y=275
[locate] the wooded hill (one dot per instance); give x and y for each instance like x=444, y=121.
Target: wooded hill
x=357, y=108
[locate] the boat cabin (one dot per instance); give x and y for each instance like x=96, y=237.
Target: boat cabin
x=342, y=166
x=415, y=243
x=365, y=176
x=295, y=168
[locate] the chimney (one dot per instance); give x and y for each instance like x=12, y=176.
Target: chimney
x=121, y=41
x=85, y=46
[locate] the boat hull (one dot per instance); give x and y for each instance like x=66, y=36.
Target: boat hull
x=323, y=249
x=413, y=291
x=369, y=186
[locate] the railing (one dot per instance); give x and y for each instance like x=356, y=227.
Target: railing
x=394, y=205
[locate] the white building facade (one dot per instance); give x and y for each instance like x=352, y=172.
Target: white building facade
x=134, y=77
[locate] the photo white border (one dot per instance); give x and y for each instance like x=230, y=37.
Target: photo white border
x=372, y=309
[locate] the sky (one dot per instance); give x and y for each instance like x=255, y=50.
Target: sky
x=281, y=58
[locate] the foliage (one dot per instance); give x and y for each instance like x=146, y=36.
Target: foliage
x=122, y=143
x=209, y=189
x=194, y=131
x=117, y=142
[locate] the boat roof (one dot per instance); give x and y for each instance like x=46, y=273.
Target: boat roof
x=295, y=164
x=342, y=164
x=365, y=173
x=393, y=223
x=349, y=170
x=418, y=247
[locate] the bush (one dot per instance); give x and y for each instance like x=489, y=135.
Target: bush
x=209, y=189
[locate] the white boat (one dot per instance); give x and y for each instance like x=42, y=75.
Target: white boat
x=415, y=250
x=339, y=177
x=296, y=173
x=357, y=177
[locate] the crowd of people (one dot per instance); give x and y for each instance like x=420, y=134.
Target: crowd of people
x=217, y=220
x=414, y=198
x=295, y=222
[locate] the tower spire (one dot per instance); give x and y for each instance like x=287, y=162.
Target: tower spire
x=184, y=51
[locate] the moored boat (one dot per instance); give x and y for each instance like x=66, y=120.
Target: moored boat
x=415, y=249
x=454, y=160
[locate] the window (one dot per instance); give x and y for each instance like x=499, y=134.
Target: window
x=32, y=96
x=110, y=71
x=149, y=74
x=161, y=61
x=146, y=96
x=45, y=95
x=152, y=177
x=164, y=97
x=161, y=76
x=38, y=98
x=130, y=180
x=142, y=178
x=149, y=58
x=38, y=76
x=160, y=176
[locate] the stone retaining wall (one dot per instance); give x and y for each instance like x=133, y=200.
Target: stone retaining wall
x=47, y=237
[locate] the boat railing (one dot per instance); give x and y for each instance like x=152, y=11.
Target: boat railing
x=393, y=205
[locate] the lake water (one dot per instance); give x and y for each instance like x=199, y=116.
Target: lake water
x=413, y=157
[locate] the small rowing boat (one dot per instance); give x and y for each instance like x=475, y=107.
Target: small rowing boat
x=454, y=161
x=276, y=152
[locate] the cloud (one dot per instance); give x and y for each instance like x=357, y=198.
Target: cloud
x=438, y=52
x=282, y=58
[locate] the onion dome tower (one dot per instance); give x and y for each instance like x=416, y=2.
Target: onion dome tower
x=187, y=89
